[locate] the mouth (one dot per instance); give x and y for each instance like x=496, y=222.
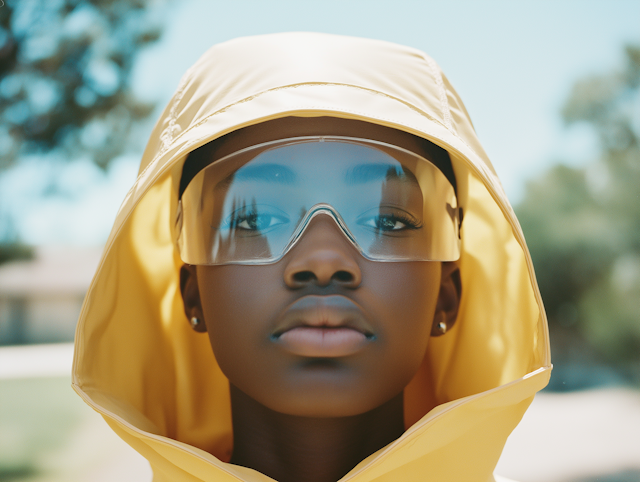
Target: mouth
x=323, y=327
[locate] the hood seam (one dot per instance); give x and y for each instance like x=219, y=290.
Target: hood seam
x=442, y=93
x=167, y=134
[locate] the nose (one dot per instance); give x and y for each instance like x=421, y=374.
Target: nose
x=322, y=256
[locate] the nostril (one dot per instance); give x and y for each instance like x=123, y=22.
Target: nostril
x=304, y=276
x=343, y=276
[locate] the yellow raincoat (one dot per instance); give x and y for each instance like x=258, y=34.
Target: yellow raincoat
x=156, y=382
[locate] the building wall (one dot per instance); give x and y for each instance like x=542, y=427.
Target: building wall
x=42, y=318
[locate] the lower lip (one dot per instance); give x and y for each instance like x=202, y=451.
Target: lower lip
x=311, y=341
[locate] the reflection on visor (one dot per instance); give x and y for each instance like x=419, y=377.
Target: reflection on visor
x=252, y=206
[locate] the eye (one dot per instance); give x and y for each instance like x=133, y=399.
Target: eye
x=254, y=221
x=257, y=222
x=391, y=222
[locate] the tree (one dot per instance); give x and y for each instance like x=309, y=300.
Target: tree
x=64, y=78
x=583, y=225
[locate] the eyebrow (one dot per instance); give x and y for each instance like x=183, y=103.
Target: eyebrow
x=270, y=173
x=365, y=173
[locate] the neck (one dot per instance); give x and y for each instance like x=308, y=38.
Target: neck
x=306, y=449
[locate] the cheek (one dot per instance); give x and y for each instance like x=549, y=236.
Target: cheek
x=237, y=302
x=403, y=297
x=233, y=294
x=406, y=292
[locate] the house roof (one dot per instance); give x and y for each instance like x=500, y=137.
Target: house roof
x=59, y=270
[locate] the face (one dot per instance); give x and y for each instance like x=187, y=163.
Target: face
x=323, y=332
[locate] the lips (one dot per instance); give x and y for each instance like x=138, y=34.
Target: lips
x=323, y=326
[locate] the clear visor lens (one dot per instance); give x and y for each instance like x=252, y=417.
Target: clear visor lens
x=252, y=206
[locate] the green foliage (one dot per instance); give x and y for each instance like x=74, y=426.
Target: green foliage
x=64, y=73
x=14, y=251
x=583, y=225
x=65, y=68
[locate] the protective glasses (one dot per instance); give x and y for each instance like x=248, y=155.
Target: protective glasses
x=252, y=206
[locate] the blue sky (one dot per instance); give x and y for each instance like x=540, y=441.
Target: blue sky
x=512, y=61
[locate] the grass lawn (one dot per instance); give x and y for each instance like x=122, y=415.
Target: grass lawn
x=37, y=418
x=48, y=434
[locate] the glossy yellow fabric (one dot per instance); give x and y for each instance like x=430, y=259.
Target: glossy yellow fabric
x=156, y=382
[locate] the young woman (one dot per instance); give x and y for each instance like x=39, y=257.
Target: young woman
x=321, y=207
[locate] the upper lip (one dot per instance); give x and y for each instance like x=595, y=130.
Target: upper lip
x=328, y=311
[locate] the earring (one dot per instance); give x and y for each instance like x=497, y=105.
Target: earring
x=442, y=327
x=195, y=322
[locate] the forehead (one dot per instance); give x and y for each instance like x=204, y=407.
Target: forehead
x=287, y=127
x=314, y=163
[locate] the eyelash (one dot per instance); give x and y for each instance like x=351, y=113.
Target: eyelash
x=241, y=217
x=408, y=221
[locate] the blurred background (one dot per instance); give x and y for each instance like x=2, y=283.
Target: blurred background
x=553, y=90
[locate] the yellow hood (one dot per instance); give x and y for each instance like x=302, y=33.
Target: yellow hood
x=156, y=382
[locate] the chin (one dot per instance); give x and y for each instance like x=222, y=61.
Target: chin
x=326, y=398
x=314, y=406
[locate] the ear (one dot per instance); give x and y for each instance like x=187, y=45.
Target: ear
x=191, y=298
x=448, y=299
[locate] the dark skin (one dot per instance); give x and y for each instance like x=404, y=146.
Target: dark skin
x=312, y=417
